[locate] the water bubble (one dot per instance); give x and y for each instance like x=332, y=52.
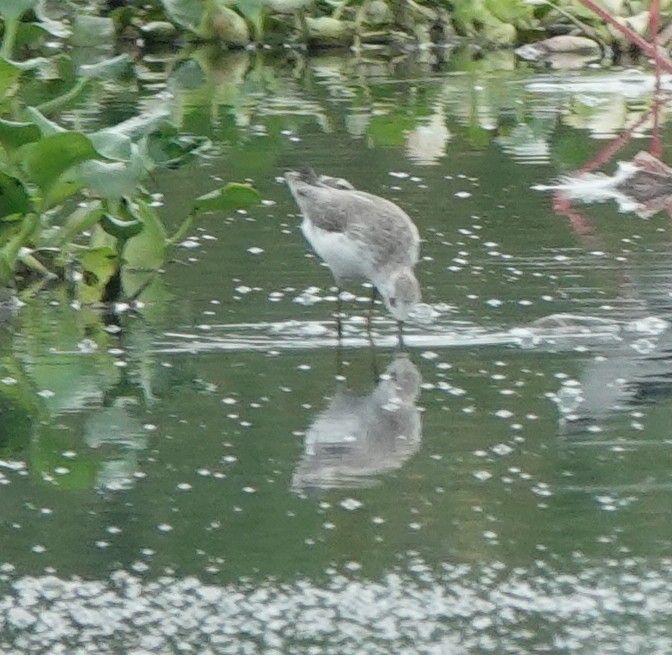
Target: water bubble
x=502, y=449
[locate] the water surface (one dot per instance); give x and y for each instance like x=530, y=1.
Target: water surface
x=211, y=473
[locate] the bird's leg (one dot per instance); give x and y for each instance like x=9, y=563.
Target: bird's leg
x=369, y=314
x=339, y=358
x=400, y=335
x=374, y=359
x=339, y=325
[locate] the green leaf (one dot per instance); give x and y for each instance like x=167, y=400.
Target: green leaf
x=185, y=13
x=99, y=265
x=112, y=144
x=46, y=160
x=45, y=126
x=511, y=11
x=107, y=69
x=53, y=25
x=82, y=219
x=115, y=142
x=147, y=250
x=92, y=31
x=122, y=230
x=36, y=63
x=253, y=10
x=12, y=10
x=9, y=73
x=10, y=251
x=14, y=135
x=113, y=180
x=14, y=199
x=229, y=198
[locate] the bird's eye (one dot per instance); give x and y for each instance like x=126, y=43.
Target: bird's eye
x=393, y=302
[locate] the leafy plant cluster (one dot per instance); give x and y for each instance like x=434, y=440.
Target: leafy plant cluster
x=72, y=204
x=322, y=22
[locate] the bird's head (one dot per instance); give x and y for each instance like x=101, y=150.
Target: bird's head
x=400, y=293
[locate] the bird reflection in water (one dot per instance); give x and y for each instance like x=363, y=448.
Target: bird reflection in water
x=642, y=185
x=635, y=366
x=360, y=436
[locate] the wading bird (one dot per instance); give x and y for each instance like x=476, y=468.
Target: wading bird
x=359, y=235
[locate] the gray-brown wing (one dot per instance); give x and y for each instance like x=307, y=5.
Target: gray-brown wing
x=386, y=229
x=326, y=207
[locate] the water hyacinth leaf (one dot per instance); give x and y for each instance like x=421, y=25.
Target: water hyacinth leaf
x=36, y=63
x=9, y=253
x=46, y=160
x=14, y=199
x=147, y=250
x=511, y=11
x=14, y=135
x=169, y=149
x=222, y=23
x=51, y=23
x=229, y=198
x=119, y=229
x=115, y=142
x=500, y=33
x=112, y=144
x=113, y=180
x=253, y=10
x=93, y=31
x=12, y=10
x=107, y=69
x=45, y=126
x=99, y=265
x=81, y=220
x=185, y=13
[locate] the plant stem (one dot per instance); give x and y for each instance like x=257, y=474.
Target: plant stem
x=10, y=253
x=181, y=231
x=55, y=104
x=586, y=29
x=9, y=37
x=629, y=34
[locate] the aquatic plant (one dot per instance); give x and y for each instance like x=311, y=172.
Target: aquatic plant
x=73, y=204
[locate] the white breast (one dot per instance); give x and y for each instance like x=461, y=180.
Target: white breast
x=343, y=255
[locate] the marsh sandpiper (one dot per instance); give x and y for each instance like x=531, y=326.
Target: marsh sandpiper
x=359, y=235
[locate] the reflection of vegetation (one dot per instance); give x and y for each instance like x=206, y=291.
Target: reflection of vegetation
x=67, y=403
x=45, y=168
x=74, y=202
x=320, y=22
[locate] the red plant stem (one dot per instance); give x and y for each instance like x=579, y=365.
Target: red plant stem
x=612, y=148
x=656, y=148
x=629, y=34
x=563, y=207
x=654, y=22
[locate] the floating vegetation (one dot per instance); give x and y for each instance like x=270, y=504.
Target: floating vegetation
x=74, y=205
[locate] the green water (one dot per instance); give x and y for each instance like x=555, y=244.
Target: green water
x=162, y=485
